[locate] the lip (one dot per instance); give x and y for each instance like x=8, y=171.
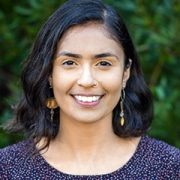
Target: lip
x=87, y=104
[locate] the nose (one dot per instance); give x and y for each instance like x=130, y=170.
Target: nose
x=86, y=78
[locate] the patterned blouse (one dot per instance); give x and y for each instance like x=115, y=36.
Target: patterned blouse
x=153, y=160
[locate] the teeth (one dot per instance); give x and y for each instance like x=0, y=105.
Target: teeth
x=87, y=98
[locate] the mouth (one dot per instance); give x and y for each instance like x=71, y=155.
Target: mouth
x=88, y=100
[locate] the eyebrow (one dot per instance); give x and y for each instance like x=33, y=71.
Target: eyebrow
x=64, y=53
x=105, y=55
x=96, y=56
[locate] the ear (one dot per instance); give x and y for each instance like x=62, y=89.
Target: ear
x=50, y=81
x=126, y=73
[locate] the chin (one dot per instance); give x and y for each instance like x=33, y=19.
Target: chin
x=89, y=118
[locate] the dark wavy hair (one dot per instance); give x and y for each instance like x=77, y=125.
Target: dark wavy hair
x=33, y=117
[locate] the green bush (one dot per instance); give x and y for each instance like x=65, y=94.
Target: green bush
x=154, y=27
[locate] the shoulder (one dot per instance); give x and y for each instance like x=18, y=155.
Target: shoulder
x=13, y=151
x=160, y=156
x=160, y=148
x=14, y=156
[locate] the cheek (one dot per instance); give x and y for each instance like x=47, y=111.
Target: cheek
x=113, y=85
x=112, y=82
x=62, y=82
x=114, y=89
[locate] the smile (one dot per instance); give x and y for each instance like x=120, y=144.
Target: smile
x=87, y=99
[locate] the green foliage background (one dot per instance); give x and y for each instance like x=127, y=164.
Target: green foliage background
x=154, y=26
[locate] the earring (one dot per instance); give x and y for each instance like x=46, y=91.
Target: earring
x=51, y=104
x=122, y=120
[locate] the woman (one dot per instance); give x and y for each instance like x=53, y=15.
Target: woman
x=86, y=107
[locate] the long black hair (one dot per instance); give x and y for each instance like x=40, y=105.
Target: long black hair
x=33, y=116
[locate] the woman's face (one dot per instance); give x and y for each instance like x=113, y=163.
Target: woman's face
x=88, y=74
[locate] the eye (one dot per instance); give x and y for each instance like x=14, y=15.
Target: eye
x=69, y=63
x=104, y=64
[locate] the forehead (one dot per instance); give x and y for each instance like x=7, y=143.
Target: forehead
x=90, y=37
x=87, y=28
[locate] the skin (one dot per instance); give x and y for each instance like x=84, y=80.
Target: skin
x=86, y=144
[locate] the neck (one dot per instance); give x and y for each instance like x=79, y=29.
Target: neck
x=85, y=136
x=83, y=148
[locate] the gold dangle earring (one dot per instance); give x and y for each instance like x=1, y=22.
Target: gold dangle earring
x=122, y=120
x=51, y=104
